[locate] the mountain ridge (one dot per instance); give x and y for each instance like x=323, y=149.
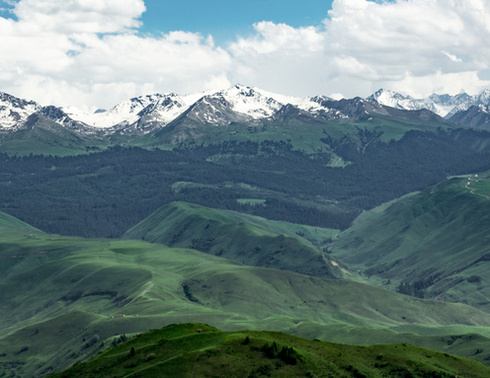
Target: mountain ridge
x=462, y=109
x=237, y=104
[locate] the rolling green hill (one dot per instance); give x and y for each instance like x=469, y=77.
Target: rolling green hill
x=198, y=350
x=240, y=237
x=434, y=244
x=64, y=299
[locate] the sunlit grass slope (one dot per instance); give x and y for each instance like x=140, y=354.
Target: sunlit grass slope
x=64, y=299
x=433, y=244
x=198, y=350
x=240, y=237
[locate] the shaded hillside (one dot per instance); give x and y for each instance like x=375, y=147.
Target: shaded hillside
x=475, y=116
x=434, y=244
x=197, y=350
x=239, y=237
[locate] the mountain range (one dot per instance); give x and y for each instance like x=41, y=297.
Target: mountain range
x=346, y=220
x=238, y=104
x=462, y=109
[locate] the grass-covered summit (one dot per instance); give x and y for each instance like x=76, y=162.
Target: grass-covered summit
x=198, y=350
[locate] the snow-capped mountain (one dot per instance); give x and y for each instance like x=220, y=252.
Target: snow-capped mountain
x=236, y=105
x=161, y=108
x=60, y=117
x=444, y=105
x=15, y=111
x=250, y=102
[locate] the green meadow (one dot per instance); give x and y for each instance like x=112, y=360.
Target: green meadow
x=65, y=299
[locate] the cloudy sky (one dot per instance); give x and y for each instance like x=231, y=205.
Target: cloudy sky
x=95, y=53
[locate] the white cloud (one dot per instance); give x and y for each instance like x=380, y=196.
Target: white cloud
x=364, y=45
x=81, y=16
x=453, y=57
x=280, y=58
x=89, y=52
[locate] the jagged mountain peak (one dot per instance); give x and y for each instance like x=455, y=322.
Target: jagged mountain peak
x=387, y=93
x=396, y=100
x=444, y=105
x=14, y=111
x=249, y=101
x=235, y=104
x=152, y=108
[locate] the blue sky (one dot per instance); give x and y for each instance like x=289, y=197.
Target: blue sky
x=97, y=53
x=224, y=19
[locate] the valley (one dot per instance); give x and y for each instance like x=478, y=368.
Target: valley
x=343, y=221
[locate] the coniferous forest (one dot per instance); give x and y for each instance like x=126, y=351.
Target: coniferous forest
x=104, y=194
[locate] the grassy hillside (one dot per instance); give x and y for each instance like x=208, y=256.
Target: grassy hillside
x=42, y=136
x=64, y=299
x=433, y=244
x=11, y=225
x=198, y=350
x=303, y=131
x=240, y=237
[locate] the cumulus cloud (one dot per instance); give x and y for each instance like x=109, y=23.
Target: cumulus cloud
x=364, y=45
x=406, y=38
x=80, y=16
x=90, y=52
x=280, y=58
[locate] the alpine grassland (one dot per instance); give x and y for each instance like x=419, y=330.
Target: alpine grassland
x=244, y=238
x=432, y=244
x=65, y=299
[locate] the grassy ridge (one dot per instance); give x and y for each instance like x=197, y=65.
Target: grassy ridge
x=10, y=225
x=433, y=244
x=199, y=350
x=240, y=237
x=64, y=299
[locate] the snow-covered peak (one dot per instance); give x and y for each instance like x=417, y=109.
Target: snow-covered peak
x=484, y=97
x=395, y=100
x=250, y=102
x=444, y=105
x=15, y=111
x=309, y=104
x=163, y=108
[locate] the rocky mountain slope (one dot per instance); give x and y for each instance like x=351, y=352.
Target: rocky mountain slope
x=237, y=104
